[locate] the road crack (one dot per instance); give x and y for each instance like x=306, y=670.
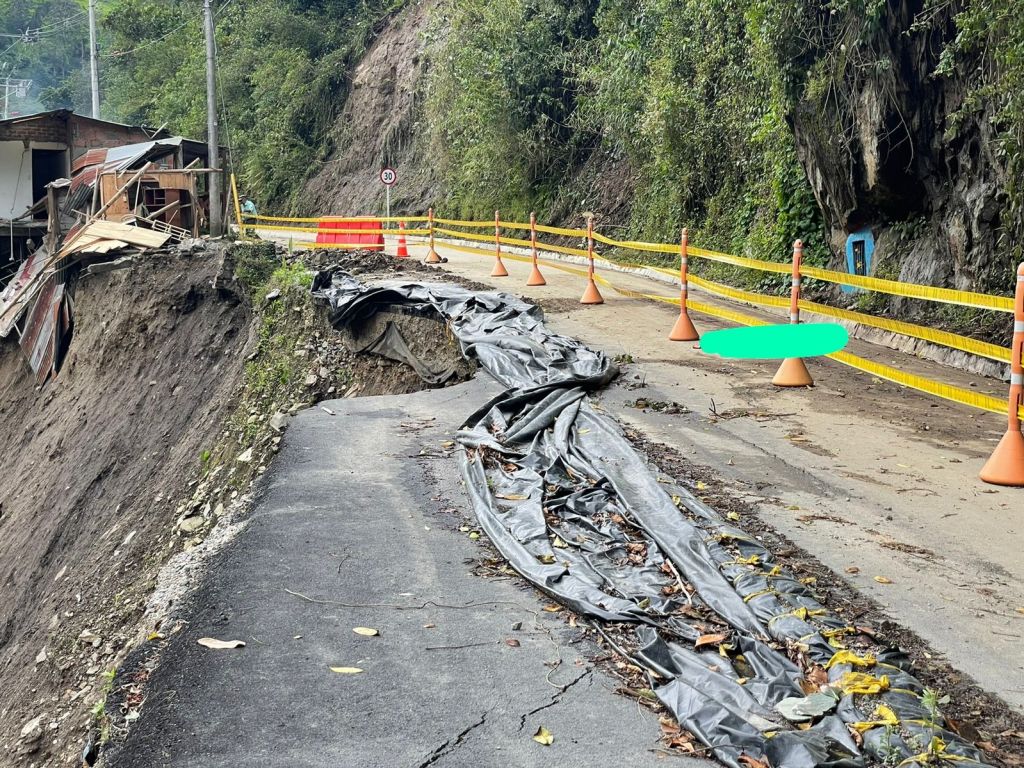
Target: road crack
x=452, y=744
x=555, y=699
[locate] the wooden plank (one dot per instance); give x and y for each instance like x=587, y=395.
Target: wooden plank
x=112, y=230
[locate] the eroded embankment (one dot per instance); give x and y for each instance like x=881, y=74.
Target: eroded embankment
x=181, y=374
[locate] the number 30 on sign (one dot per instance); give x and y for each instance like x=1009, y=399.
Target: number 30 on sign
x=388, y=177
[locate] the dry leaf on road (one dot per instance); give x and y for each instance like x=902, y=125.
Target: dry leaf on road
x=366, y=631
x=346, y=670
x=543, y=736
x=220, y=645
x=883, y=580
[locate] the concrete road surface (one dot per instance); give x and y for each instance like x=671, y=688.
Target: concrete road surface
x=360, y=514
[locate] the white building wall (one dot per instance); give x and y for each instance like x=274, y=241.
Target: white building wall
x=15, y=179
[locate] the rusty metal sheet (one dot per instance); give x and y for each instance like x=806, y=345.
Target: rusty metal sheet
x=39, y=341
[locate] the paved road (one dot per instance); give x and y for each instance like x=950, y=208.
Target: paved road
x=861, y=473
x=352, y=513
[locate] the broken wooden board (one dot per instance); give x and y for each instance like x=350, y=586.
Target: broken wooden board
x=112, y=230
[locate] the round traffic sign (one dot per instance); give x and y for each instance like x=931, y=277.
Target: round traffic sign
x=388, y=177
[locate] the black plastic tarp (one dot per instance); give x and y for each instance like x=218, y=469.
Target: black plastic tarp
x=579, y=513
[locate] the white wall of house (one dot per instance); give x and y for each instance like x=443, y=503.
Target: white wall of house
x=15, y=178
x=16, y=175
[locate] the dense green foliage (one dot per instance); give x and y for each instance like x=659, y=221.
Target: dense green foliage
x=685, y=90
x=282, y=76
x=48, y=43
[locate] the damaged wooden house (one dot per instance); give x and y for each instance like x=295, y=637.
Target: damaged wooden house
x=74, y=190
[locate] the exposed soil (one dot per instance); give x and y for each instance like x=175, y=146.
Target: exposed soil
x=179, y=379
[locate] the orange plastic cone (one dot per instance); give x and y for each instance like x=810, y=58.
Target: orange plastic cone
x=793, y=373
x=432, y=257
x=499, y=268
x=403, y=250
x=591, y=295
x=1006, y=464
x=535, y=278
x=684, y=329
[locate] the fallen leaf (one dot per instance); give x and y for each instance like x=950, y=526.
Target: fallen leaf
x=853, y=569
x=474, y=536
x=366, y=631
x=701, y=485
x=732, y=516
x=547, y=559
x=1020, y=610
x=552, y=608
x=346, y=670
x=883, y=580
x=513, y=497
x=429, y=626
x=220, y=645
x=753, y=762
x=559, y=543
x=710, y=640
x=512, y=642
x=543, y=736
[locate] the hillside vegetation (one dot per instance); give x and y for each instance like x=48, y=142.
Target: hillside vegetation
x=751, y=121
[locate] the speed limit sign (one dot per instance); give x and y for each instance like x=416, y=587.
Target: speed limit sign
x=388, y=177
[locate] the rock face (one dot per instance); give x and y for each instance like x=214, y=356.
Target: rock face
x=876, y=132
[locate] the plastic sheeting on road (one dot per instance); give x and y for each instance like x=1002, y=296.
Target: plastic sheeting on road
x=724, y=632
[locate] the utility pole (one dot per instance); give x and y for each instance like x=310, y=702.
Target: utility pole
x=94, y=65
x=212, y=138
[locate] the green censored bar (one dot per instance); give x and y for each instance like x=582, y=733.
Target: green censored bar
x=772, y=342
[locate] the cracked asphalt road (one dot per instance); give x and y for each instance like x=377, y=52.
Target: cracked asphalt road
x=354, y=517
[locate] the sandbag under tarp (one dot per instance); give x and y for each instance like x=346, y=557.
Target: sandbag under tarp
x=729, y=639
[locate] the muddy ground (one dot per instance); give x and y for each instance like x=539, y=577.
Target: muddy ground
x=181, y=374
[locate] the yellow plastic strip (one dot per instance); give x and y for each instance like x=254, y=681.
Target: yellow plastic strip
x=912, y=290
x=561, y=231
x=738, y=294
x=338, y=230
x=466, y=235
x=946, y=339
x=253, y=217
x=461, y=223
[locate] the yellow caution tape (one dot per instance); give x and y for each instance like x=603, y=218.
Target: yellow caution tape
x=341, y=230
x=935, y=336
x=884, y=716
x=862, y=683
x=250, y=217
x=461, y=223
x=912, y=381
x=851, y=658
x=738, y=294
x=562, y=231
x=465, y=235
x=912, y=290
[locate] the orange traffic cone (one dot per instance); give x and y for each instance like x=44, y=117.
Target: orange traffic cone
x=591, y=295
x=403, y=250
x=684, y=329
x=1006, y=464
x=432, y=257
x=536, y=278
x=499, y=267
x=793, y=373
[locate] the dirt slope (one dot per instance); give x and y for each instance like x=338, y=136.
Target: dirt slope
x=376, y=126
x=90, y=465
